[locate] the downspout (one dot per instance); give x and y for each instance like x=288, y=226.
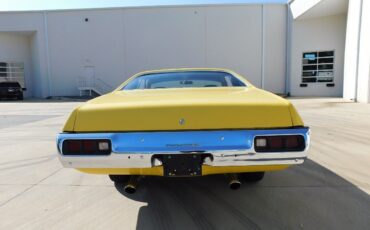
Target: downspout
x=47, y=52
x=358, y=51
x=288, y=50
x=263, y=49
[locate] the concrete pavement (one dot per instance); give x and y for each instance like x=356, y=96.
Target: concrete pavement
x=331, y=190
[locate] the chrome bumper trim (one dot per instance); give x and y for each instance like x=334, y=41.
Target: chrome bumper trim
x=228, y=148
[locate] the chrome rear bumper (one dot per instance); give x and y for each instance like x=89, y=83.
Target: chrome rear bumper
x=227, y=148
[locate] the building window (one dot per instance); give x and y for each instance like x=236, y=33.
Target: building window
x=12, y=71
x=3, y=72
x=318, y=66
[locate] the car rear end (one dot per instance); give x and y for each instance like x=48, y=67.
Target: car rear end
x=154, y=133
x=196, y=128
x=184, y=153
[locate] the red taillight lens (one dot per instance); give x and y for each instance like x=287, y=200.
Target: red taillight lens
x=292, y=141
x=276, y=142
x=283, y=143
x=73, y=146
x=89, y=146
x=86, y=147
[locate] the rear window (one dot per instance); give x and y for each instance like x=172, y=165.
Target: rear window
x=185, y=79
x=9, y=84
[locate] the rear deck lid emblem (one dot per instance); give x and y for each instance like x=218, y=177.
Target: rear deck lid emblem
x=182, y=121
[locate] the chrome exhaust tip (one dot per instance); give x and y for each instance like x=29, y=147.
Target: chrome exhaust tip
x=132, y=184
x=130, y=189
x=234, y=182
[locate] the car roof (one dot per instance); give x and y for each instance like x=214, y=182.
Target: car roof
x=184, y=70
x=10, y=83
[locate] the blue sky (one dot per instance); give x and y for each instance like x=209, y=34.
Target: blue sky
x=20, y=5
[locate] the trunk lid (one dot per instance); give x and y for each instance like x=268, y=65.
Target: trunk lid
x=183, y=109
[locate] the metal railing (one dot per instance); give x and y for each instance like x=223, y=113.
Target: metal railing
x=102, y=86
x=94, y=84
x=81, y=82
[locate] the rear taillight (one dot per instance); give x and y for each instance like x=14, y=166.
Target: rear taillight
x=283, y=143
x=86, y=147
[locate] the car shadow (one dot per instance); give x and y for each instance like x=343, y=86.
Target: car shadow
x=304, y=197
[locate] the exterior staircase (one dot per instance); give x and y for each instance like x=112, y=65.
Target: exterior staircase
x=93, y=87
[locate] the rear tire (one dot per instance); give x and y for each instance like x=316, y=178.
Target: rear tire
x=119, y=178
x=252, y=177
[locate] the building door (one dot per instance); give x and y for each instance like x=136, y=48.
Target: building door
x=13, y=72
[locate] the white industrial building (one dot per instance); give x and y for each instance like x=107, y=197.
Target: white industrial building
x=302, y=48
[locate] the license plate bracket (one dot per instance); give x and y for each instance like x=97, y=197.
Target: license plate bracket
x=177, y=165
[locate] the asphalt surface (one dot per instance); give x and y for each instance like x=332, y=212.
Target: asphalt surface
x=329, y=191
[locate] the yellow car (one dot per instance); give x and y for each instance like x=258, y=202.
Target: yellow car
x=184, y=122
